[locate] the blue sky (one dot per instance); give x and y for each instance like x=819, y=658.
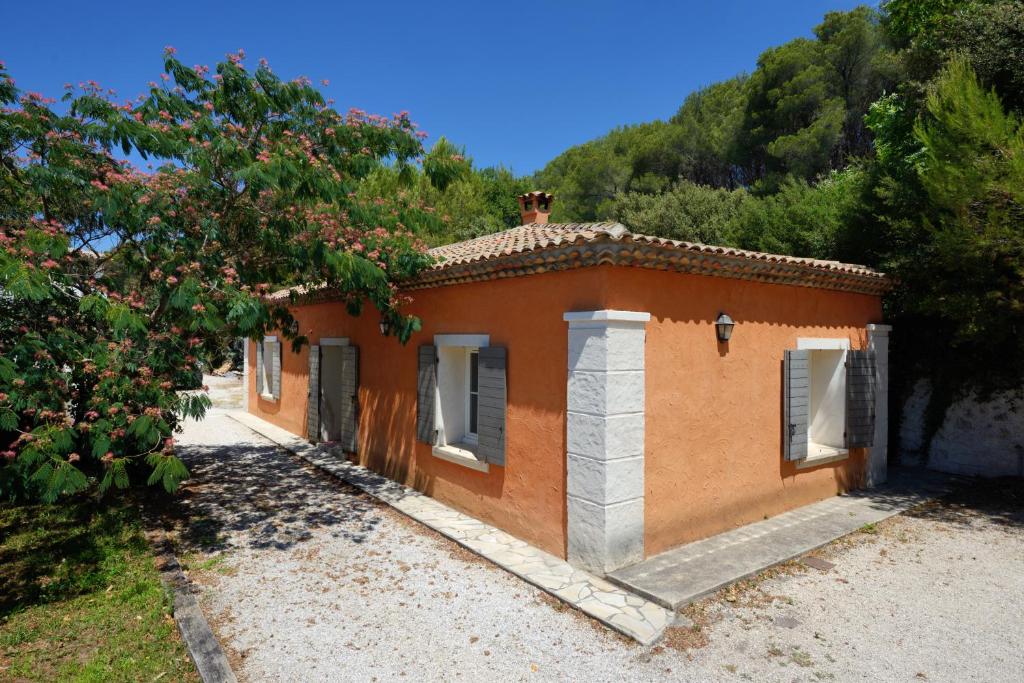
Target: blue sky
x=515, y=82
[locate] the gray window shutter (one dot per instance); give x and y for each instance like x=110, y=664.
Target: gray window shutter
x=491, y=406
x=796, y=371
x=350, y=397
x=426, y=392
x=313, y=419
x=259, y=368
x=276, y=371
x=860, y=399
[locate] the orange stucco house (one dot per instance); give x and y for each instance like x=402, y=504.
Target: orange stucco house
x=580, y=387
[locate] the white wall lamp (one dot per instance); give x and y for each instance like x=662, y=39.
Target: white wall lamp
x=723, y=327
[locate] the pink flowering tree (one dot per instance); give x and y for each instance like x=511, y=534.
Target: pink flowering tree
x=115, y=282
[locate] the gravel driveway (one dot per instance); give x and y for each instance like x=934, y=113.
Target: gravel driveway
x=306, y=578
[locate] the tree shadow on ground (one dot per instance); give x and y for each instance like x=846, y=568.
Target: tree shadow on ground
x=254, y=495
x=999, y=501
x=55, y=552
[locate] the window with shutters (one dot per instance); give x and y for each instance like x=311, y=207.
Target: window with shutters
x=458, y=399
x=830, y=400
x=270, y=367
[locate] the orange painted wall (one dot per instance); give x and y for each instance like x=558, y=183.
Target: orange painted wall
x=714, y=414
x=713, y=431
x=524, y=314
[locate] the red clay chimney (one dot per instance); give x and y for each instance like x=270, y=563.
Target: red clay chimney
x=535, y=207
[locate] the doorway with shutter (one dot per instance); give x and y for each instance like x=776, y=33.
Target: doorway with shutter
x=334, y=393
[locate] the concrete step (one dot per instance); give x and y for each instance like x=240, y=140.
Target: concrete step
x=679, y=576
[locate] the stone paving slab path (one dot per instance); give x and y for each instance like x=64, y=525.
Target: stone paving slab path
x=614, y=606
x=679, y=576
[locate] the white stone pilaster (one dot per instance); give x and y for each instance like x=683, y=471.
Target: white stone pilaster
x=878, y=341
x=605, y=438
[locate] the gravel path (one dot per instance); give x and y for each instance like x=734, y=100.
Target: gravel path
x=305, y=578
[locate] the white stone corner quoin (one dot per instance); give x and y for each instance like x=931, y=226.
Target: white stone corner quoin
x=878, y=341
x=605, y=438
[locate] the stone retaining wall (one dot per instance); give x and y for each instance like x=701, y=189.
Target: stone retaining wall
x=984, y=439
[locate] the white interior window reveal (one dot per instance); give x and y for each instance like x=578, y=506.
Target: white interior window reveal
x=826, y=438
x=267, y=370
x=458, y=398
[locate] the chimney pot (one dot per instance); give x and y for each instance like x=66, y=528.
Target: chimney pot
x=535, y=207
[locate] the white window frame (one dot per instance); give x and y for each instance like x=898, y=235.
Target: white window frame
x=823, y=454
x=267, y=370
x=462, y=452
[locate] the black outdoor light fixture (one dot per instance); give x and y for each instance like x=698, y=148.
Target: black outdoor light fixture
x=723, y=327
x=385, y=327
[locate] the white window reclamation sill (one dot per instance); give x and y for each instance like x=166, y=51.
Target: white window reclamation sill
x=268, y=397
x=460, y=455
x=822, y=455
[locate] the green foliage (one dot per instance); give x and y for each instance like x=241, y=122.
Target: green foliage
x=466, y=202
x=948, y=194
x=909, y=19
x=800, y=114
x=991, y=37
x=689, y=212
x=972, y=171
x=803, y=219
x=709, y=123
x=80, y=597
x=117, y=284
x=792, y=118
x=445, y=164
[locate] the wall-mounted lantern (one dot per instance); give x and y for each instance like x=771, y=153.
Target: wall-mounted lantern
x=723, y=327
x=385, y=327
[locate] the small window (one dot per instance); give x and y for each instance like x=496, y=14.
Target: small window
x=270, y=352
x=827, y=418
x=458, y=395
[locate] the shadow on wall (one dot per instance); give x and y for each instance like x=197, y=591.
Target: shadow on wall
x=268, y=407
x=388, y=446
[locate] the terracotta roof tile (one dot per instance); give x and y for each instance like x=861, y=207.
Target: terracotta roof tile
x=544, y=247
x=538, y=236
